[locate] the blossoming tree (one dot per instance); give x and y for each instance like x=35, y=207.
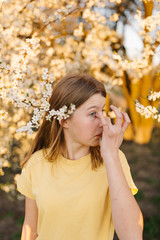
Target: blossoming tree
x=42, y=41
x=141, y=76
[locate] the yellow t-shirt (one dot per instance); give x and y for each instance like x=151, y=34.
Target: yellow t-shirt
x=73, y=200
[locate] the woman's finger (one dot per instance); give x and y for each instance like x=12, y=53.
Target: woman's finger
x=127, y=121
x=119, y=116
x=105, y=121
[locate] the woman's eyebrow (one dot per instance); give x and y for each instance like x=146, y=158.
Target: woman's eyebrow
x=94, y=107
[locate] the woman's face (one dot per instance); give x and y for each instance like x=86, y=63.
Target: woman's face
x=84, y=126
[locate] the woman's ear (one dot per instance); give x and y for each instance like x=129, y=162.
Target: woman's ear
x=64, y=123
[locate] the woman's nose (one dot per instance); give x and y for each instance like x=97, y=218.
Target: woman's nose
x=100, y=123
x=99, y=119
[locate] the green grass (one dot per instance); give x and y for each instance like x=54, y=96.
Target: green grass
x=16, y=236
x=1, y=235
x=156, y=200
x=7, y=215
x=140, y=195
x=151, y=181
x=151, y=228
x=20, y=221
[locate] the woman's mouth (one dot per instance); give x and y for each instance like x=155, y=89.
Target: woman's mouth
x=99, y=135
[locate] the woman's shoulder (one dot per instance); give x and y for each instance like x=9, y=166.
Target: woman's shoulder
x=36, y=159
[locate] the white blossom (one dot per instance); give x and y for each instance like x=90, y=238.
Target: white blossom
x=148, y=111
x=3, y=114
x=153, y=96
x=62, y=113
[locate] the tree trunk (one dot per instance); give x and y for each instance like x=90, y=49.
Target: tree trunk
x=141, y=129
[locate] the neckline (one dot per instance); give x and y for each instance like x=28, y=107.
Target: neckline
x=85, y=159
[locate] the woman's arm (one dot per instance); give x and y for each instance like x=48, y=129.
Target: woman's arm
x=126, y=214
x=29, y=229
x=127, y=217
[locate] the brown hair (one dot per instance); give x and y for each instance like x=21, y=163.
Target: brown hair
x=76, y=89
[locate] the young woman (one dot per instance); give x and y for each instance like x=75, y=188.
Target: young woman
x=76, y=180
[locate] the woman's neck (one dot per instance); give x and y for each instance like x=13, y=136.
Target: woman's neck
x=74, y=153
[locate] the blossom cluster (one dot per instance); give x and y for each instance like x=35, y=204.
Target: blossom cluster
x=39, y=107
x=148, y=111
x=62, y=113
x=150, y=23
x=153, y=95
x=13, y=87
x=148, y=31
x=3, y=114
x=20, y=62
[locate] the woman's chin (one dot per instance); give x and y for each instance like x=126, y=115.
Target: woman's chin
x=96, y=143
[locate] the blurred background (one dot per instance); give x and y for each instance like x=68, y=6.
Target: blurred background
x=115, y=41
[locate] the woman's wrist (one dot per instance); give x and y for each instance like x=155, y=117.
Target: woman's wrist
x=110, y=154
x=110, y=158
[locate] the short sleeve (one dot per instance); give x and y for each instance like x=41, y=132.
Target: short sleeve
x=26, y=180
x=127, y=172
x=24, y=183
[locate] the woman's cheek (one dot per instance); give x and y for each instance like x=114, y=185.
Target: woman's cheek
x=84, y=122
x=91, y=122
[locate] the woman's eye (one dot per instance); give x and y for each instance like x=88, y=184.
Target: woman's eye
x=93, y=114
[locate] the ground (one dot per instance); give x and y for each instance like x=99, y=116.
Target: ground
x=144, y=161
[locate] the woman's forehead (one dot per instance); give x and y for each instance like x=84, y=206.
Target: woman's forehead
x=96, y=100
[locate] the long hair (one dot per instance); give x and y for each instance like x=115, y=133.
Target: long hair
x=76, y=89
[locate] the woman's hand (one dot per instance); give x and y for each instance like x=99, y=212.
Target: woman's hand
x=126, y=214
x=112, y=135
